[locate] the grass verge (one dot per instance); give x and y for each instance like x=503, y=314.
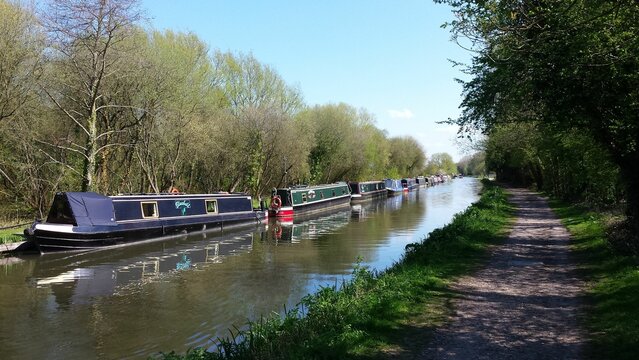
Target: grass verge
x=9, y=235
x=376, y=314
x=613, y=290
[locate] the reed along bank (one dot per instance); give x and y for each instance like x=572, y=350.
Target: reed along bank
x=376, y=314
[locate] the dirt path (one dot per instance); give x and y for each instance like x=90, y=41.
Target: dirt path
x=525, y=303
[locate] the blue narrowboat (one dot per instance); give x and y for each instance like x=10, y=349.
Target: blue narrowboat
x=366, y=190
x=393, y=187
x=87, y=220
x=409, y=184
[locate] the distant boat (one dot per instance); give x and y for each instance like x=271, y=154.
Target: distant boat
x=409, y=184
x=421, y=181
x=87, y=220
x=304, y=199
x=366, y=190
x=393, y=186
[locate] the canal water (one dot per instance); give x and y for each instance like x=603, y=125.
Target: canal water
x=136, y=301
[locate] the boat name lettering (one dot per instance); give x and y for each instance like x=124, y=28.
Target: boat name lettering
x=183, y=205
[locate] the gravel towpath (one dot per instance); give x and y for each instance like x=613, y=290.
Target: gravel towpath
x=525, y=303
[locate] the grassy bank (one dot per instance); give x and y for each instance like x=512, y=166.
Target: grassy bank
x=613, y=285
x=9, y=235
x=376, y=314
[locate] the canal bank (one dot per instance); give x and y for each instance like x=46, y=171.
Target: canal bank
x=378, y=314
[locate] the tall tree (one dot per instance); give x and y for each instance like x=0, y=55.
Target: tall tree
x=407, y=157
x=178, y=102
x=87, y=42
x=260, y=104
x=563, y=65
x=441, y=163
x=21, y=46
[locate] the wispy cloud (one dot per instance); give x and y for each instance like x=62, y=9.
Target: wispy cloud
x=400, y=114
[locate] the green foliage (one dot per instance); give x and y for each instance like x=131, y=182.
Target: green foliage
x=164, y=111
x=407, y=157
x=11, y=235
x=614, y=283
x=21, y=47
x=569, y=165
x=474, y=164
x=568, y=68
x=362, y=316
x=348, y=146
x=441, y=163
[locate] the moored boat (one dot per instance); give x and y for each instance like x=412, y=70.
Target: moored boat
x=393, y=186
x=366, y=190
x=304, y=199
x=421, y=181
x=87, y=220
x=409, y=184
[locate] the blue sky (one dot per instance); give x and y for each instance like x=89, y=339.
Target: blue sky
x=389, y=57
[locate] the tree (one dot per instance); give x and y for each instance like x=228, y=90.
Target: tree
x=474, y=164
x=407, y=157
x=88, y=43
x=562, y=65
x=27, y=177
x=177, y=104
x=441, y=163
x=261, y=105
x=346, y=144
x=21, y=46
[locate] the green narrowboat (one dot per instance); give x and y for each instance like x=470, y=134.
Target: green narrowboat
x=286, y=202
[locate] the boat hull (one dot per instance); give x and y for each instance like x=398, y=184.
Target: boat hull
x=359, y=198
x=310, y=208
x=51, y=240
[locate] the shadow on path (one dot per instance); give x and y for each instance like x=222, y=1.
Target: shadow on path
x=525, y=303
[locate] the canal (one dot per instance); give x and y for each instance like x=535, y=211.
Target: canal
x=184, y=292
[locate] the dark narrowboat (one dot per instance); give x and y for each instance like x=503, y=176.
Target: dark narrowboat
x=393, y=186
x=87, y=220
x=367, y=190
x=409, y=184
x=303, y=199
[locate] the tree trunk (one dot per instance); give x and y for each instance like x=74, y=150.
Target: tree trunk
x=90, y=160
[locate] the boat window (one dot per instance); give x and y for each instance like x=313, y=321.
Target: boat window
x=150, y=209
x=303, y=197
x=321, y=194
x=211, y=206
x=333, y=193
x=343, y=191
x=60, y=212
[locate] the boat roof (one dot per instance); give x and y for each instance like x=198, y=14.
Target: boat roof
x=89, y=208
x=178, y=195
x=367, y=182
x=314, y=187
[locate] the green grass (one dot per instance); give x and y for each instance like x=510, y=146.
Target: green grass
x=613, y=290
x=376, y=315
x=9, y=235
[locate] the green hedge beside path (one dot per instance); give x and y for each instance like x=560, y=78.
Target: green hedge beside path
x=613, y=291
x=376, y=314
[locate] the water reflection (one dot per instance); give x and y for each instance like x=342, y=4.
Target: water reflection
x=307, y=227
x=75, y=278
x=186, y=291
